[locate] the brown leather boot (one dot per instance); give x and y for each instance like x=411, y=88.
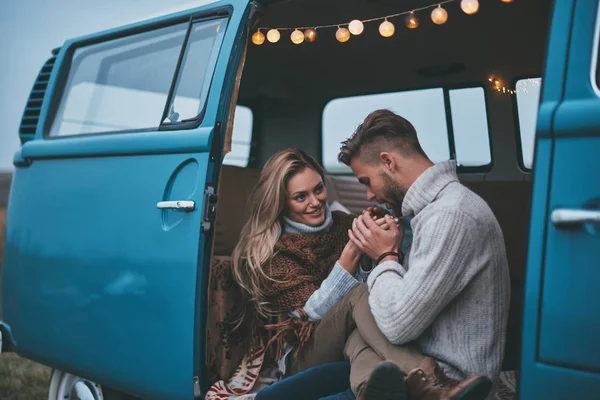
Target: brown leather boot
x=428, y=382
x=385, y=383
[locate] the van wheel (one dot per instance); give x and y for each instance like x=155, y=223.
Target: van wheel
x=64, y=386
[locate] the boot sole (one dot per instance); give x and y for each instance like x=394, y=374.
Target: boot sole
x=386, y=383
x=477, y=390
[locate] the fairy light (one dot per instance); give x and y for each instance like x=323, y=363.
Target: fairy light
x=498, y=85
x=412, y=22
x=356, y=27
x=469, y=6
x=439, y=15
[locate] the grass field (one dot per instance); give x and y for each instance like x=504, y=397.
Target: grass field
x=21, y=379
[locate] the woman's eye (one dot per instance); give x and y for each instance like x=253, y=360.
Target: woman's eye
x=300, y=197
x=319, y=189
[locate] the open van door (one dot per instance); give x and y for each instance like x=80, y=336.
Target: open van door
x=561, y=350
x=112, y=199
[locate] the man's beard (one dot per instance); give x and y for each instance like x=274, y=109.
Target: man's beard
x=393, y=192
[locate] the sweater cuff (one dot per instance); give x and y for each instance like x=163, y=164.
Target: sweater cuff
x=341, y=281
x=385, y=267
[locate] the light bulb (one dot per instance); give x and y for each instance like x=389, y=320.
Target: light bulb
x=386, y=29
x=310, y=35
x=439, y=15
x=342, y=35
x=273, y=36
x=258, y=38
x=297, y=37
x=356, y=27
x=469, y=6
x=411, y=21
x=507, y=1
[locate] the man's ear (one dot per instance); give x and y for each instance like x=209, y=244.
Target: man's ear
x=387, y=161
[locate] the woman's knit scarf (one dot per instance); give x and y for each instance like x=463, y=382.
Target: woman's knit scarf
x=298, y=267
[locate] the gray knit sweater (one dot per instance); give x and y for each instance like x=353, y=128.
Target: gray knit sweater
x=452, y=292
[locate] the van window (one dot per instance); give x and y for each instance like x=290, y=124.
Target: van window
x=423, y=108
x=241, y=138
x=470, y=127
x=124, y=84
x=528, y=99
x=426, y=110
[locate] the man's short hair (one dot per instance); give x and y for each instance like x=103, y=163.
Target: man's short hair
x=382, y=130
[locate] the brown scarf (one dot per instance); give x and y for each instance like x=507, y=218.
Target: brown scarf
x=299, y=265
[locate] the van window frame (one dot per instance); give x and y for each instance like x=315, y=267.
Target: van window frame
x=449, y=126
x=517, y=123
x=65, y=69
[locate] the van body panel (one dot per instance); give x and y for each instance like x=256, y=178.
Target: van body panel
x=561, y=354
x=97, y=280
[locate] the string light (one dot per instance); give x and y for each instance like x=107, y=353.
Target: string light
x=310, y=35
x=439, y=15
x=499, y=86
x=356, y=27
x=273, y=36
x=342, y=35
x=507, y=1
x=469, y=6
x=297, y=37
x=412, y=22
x=386, y=29
x=258, y=38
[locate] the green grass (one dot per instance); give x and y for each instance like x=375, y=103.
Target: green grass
x=21, y=379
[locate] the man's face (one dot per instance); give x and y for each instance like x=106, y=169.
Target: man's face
x=380, y=184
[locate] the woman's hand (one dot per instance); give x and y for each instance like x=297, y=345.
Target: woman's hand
x=350, y=257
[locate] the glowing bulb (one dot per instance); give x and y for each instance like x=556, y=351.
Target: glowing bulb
x=273, y=36
x=411, y=21
x=439, y=15
x=356, y=27
x=507, y=1
x=342, y=35
x=469, y=6
x=297, y=37
x=310, y=35
x=386, y=29
x=258, y=38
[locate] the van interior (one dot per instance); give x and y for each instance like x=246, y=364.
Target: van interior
x=470, y=86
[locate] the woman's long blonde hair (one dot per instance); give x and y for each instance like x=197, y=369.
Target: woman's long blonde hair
x=262, y=229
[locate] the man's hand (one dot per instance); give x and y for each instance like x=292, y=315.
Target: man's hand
x=372, y=239
x=376, y=212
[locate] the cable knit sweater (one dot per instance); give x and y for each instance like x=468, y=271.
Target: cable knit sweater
x=452, y=292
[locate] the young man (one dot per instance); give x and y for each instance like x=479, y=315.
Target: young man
x=449, y=294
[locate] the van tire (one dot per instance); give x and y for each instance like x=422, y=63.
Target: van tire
x=63, y=384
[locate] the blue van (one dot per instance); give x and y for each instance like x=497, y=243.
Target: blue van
x=121, y=198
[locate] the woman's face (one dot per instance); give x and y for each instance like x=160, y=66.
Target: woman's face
x=307, y=198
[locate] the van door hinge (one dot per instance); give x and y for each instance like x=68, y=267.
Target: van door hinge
x=197, y=392
x=210, y=208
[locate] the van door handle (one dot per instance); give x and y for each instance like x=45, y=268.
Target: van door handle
x=185, y=205
x=570, y=218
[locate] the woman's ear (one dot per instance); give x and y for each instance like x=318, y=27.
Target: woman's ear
x=387, y=161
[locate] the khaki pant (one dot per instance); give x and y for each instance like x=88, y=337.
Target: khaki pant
x=349, y=332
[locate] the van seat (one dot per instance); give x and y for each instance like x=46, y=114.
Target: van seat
x=348, y=191
x=235, y=186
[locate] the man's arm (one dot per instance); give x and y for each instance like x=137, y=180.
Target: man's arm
x=404, y=303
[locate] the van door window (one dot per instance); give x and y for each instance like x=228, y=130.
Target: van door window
x=241, y=138
x=528, y=99
x=124, y=84
x=470, y=127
